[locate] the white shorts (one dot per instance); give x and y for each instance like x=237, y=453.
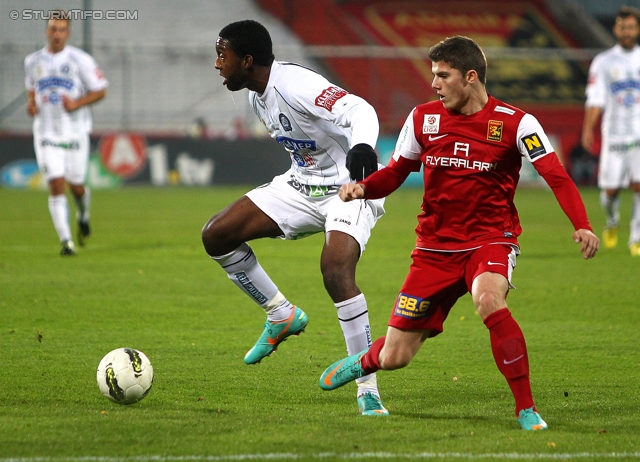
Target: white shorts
x=63, y=157
x=302, y=210
x=619, y=165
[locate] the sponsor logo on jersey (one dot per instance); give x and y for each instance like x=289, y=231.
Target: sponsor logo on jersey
x=494, y=130
x=459, y=162
x=68, y=145
x=412, y=307
x=297, y=146
x=431, y=123
x=49, y=82
x=624, y=147
x=313, y=190
x=625, y=85
x=533, y=145
x=329, y=96
x=285, y=122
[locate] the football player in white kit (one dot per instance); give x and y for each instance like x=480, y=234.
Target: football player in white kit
x=613, y=91
x=62, y=81
x=330, y=136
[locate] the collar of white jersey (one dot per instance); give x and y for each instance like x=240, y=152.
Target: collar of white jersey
x=65, y=50
x=624, y=51
x=275, y=68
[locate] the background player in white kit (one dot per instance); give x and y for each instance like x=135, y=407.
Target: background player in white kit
x=329, y=135
x=613, y=91
x=62, y=81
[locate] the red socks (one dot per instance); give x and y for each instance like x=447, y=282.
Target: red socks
x=510, y=353
x=370, y=362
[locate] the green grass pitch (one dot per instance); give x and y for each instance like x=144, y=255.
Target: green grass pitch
x=144, y=281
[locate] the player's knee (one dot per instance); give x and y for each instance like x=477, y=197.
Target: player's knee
x=339, y=281
x=215, y=238
x=487, y=302
x=391, y=359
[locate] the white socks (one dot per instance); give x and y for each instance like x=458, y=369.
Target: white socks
x=83, y=205
x=611, y=206
x=635, y=219
x=59, y=210
x=243, y=269
x=354, y=321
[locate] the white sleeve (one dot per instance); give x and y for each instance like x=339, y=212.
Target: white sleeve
x=91, y=74
x=356, y=113
x=407, y=144
x=596, y=89
x=28, y=79
x=321, y=99
x=532, y=141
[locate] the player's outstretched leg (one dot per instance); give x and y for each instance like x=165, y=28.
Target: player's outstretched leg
x=276, y=332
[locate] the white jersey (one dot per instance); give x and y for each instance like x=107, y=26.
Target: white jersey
x=614, y=86
x=316, y=121
x=70, y=72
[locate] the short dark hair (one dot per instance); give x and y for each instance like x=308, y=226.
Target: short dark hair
x=60, y=15
x=461, y=53
x=627, y=11
x=249, y=37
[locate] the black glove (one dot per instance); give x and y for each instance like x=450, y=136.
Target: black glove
x=362, y=161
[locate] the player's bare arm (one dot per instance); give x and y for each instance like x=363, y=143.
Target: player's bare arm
x=591, y=117
x=74, y=104
x=32, y=109
x=589, y=242
x=351, y=191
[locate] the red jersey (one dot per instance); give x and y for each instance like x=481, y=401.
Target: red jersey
x=471, y=171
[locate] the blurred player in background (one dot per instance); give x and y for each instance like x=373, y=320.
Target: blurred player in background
x=330, y=135
x=471, y=148
x=62, y=81
x=613, y=91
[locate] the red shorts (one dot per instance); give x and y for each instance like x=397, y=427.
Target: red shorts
x=436, y=280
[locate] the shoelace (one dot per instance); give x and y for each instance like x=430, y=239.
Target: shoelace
x=349, y=371
x=371, y=402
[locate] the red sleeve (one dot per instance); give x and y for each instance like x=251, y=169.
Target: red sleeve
x=563, y=187
x=385, y=181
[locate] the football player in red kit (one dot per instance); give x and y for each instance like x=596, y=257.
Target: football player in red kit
x=471, y=147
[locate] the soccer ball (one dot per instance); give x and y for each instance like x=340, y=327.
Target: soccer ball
x=125, y=375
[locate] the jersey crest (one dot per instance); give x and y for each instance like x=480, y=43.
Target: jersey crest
x=494, y=130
